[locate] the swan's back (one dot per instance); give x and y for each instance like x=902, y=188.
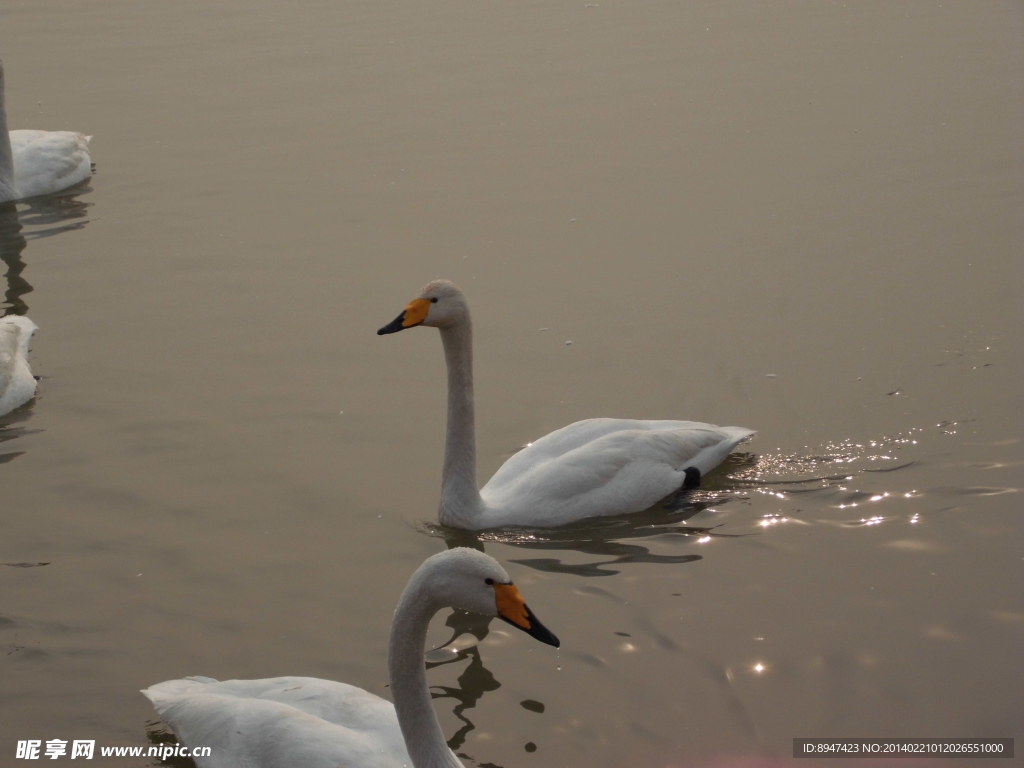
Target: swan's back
x=691, y=436
x=602, y=467
x=295, y=721
x=17, y=384
x=49, y=161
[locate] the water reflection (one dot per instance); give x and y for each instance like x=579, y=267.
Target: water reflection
x=23, y=222
x=603, y=537
x=10, y=429
x=821, y=478
x=24, y=565
x=473, y=683
x=12, y=243
x=475, y=680
x=599, y=538
x=836, y=461
x=19, y=224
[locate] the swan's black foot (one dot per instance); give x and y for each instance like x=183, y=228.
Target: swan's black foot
x=692, y=479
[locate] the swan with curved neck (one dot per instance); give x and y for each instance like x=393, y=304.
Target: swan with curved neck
x=17, y=384
x=592, y=468
x=285, y=722
x=39, y=162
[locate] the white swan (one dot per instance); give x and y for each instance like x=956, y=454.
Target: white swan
x=591, y=468
x=304, y=722
x=39, y=162
x=17, y=384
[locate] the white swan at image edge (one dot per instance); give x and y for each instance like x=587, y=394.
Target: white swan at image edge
x=17, y=384
x=39, y=162
x=592, y=468
x=305, y=722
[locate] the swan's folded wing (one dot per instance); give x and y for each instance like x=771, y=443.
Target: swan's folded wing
x=48, y=161
x=337, y=703
x=619, y=473
x=262, y=723
x=586, y=432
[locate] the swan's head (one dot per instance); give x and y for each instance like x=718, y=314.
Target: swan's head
x=470, y=580
x=440, y=304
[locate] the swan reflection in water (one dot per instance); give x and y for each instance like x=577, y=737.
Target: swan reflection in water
x=31, y=220
x=619, y=539
x=21, y=223
x=12, y=243
x=475, y=680
x=607, y=537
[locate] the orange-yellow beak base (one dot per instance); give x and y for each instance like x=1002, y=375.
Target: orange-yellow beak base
x=513, y=609
x=414, y=314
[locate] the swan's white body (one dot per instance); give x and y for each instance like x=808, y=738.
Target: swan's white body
x=601, y=467
x=304, y=722
x=17, y=384
x=282, y=721
x=588, y=469
x=39, y=162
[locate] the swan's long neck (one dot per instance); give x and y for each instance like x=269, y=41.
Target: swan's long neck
x=423, y=736
x=460, y=495
x=7, y=190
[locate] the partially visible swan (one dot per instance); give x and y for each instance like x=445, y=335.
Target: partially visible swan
x=304, y=722
x=39, y=162
x=591, y=468
x=17, y=384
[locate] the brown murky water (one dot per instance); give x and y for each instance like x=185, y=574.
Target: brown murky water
x=804, y=218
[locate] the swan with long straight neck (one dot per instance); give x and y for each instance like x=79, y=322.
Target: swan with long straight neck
x=289, y=722
x=35, y=162
x=591, y=468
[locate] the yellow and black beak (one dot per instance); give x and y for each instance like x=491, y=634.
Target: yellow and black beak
x=513, y=609
x=411, y=316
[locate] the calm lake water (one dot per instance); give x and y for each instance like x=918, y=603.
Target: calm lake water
x=804, y=218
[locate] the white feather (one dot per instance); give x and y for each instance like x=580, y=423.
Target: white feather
x=293, y=721
x=17, y=384
x=35, y=162
x=49, y=161
x=602, y=467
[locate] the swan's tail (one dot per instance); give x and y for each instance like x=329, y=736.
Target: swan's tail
x=740, y=434
x=162, y=693
x=713, y=455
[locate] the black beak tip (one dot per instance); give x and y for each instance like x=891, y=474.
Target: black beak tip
x=537, y=630
x=394, y=326
x=545, y=635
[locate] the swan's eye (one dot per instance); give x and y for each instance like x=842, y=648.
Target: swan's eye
x=434, y=300
x=489, y=582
